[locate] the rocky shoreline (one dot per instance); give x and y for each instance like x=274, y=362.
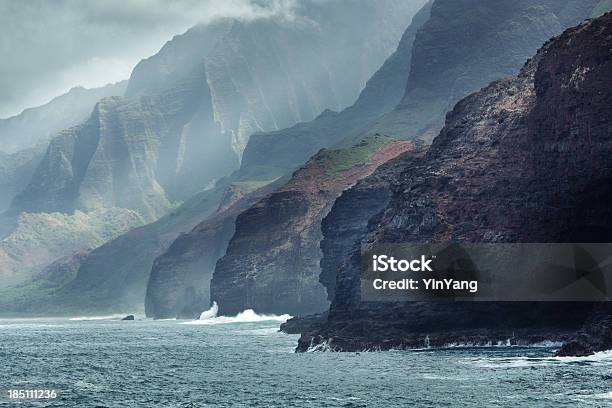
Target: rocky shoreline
x=526, y=159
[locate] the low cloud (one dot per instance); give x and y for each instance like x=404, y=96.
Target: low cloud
x=48, y=47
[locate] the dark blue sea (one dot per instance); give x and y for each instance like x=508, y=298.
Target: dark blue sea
x=246, y=362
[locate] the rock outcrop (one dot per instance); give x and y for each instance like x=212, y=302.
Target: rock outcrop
x=594, y=336
x=526, y=159
x=272, y=261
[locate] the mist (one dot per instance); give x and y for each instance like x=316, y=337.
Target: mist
x=47, y=48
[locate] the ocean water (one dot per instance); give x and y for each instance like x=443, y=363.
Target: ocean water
x=245, y=362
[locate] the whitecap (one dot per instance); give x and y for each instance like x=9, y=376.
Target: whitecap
x=602, y=356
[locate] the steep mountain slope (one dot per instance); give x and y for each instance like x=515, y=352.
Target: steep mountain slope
x=183, y=123
x=273, y=153
x=121, y=157
x=179, y=285
x=16, y=169
x=272, y=261
x=463, y=46
x=456, y=56
x=526, y=159
x=111, y=278
x=37, y=125
x=39, y=239
x=190, y=109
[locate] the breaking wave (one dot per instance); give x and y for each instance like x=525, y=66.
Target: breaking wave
x=210, y=313
x=209, y=317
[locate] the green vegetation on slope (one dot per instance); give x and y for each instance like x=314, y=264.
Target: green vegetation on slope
x=339, y=160
x=41, y=238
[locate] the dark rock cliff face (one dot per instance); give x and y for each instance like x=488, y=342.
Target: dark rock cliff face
x=527, y=159
x=272, y=261
x=465, y=45
x=274, y=153
x=594, y=336
x=347, y=221
x=179, y=285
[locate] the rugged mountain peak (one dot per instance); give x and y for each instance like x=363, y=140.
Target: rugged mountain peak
x=190, y=109
x=122, y=156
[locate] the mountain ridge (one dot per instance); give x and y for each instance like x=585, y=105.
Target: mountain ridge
x=503, y=169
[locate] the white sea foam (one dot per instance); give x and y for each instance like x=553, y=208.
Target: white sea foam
x=430, y=376
x=601, y=358
x=499, y=344
x=322, y=346
x=547, y=344
x=248, y=316
x=210, y=313
x=605, y=395
x=268, y=331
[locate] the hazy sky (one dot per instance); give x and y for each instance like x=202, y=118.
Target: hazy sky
x=49, y=46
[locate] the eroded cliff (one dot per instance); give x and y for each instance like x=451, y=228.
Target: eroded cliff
x=179, y=285
x=527, y=159
x=272, y=261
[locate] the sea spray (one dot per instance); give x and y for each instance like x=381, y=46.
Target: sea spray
x=209, y=317
x=210, y=313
